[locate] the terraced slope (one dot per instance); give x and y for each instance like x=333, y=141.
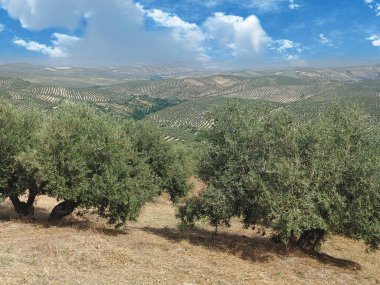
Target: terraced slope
x=22, y=92
x=275, y=88
x=192, y=115
x=182, y=104
x=366, y=94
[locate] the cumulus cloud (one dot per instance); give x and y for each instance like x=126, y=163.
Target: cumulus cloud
x=375, y=40
x=114, y=32
x=2, y=27
x=189, y=35
x=58, y=49
x=241, y=36
x=37, y=15
x=44, y=49
x=123, y=32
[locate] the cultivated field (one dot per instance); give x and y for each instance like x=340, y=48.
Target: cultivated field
x=83, y=250
x=183, y=102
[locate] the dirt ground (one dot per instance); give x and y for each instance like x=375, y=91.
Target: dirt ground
x=84, y=250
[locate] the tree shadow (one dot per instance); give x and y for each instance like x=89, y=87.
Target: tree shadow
x=83, y=224
x=255, y=249
x=330, y=260
x=41, y=218
x=7, y=213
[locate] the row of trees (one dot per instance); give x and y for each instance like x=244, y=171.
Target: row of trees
x=303, y=179
x=86, y=159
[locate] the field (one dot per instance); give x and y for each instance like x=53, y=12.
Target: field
x=180, y=101
x=84, y=250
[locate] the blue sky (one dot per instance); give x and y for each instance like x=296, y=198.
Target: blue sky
x=198, y=33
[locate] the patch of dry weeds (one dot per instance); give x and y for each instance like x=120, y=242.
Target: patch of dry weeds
x=84, y=250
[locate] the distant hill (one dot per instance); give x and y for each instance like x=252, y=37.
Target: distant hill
x=87, y=77
x=181, y=99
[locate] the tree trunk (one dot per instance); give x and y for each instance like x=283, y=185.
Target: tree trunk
x=311, y=239
x=32, y=197
x=63, y=209
x=21, y=208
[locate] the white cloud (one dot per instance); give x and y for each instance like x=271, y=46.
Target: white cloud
x=44, y=49
x=64, y=40
x=116, y=32
x=2, y=27
x=373, y=5
x=189, y=35
x=293, y=5
x=266, y=5
x=272, y=5
x=58, y=50
x=295, y=60
x=324, y=40
x=289, y=50
x=38, y=14
x=284, y=45
x=241, y=36
x=375, y=40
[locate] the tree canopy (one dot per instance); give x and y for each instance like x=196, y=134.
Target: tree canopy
x=88, y=159
x=17, y=135
x=304, y=179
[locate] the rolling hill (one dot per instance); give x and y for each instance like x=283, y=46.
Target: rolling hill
x=179, y=99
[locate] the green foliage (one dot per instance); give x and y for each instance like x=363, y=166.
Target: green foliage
x=305, y=179
x=16, y=135
x=147, y=105
x=212, y=205
x=170, y=163
x=86, y=158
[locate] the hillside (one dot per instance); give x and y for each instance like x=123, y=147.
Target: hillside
x=179, y=99
x=83, y=250
x=69, y=76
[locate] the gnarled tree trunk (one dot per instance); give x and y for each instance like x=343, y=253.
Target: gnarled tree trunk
x=311, y=239
x=22, y=208
x=63, y=209
x=32, y=196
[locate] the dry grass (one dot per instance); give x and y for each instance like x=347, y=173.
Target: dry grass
x=83, y=250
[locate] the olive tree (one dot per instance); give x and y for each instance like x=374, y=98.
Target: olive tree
x=17, y=134
x=170, y=163
x=92, y=160
x=85, y=159
x=305, y=179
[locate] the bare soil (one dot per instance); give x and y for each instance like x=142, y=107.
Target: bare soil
x=84, y=250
